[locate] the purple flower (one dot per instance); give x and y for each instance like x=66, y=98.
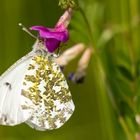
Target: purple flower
x=52, y=37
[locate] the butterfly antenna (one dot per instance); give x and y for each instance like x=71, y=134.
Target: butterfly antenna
x=27, y=30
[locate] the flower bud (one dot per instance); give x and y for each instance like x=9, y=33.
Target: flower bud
x=70, y=54
x=84, y=61
x=65, y=19
x=79, y=75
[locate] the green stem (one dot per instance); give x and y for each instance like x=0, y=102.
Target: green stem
x=88, y=25
x=126, y=129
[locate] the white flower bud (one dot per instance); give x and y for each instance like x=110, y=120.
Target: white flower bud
x=70, y=54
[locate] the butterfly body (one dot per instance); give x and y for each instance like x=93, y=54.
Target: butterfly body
x=34, y=90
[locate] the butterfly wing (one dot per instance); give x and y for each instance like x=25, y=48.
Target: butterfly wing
x=46, y=87
x=11, y=100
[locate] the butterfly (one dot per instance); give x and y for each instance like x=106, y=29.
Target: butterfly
x=35, y=91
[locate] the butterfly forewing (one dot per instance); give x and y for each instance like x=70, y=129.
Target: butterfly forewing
x=11, y=100
x=45, y=85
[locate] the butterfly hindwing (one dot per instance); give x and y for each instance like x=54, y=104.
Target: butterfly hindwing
x=45, y=85
x=11, y=112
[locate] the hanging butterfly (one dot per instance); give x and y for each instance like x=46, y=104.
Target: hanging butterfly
x=34, y=90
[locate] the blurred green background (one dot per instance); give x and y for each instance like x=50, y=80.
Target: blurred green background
x=108, y=102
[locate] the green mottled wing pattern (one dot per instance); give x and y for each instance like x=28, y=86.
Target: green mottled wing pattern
x=45, y=85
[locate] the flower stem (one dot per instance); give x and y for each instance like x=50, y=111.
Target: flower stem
x=126, y=129
x=87, y=24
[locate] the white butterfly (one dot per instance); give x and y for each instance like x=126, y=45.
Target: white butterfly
x=34, y=91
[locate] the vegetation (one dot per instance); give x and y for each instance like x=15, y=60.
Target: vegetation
x=108, y=102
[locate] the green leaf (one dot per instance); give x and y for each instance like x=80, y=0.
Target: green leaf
x=125, y=72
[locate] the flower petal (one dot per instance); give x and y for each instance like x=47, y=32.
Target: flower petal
x=52, y=44
x=39, y=28
x=56, y=33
